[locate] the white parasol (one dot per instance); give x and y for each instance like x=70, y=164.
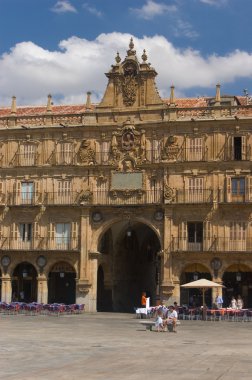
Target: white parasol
x=203, y=284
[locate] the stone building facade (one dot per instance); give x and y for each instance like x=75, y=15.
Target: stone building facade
x=101, y=202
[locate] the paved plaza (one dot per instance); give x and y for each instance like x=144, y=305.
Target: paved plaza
x=115, y=346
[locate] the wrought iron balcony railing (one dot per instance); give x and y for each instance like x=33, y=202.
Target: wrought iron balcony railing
x=61, y=198
x=217, y=244
x=39, y=243
x=25, y=159
x=24, y=198
x=121, y=198
x=194, y=196
x=235, y=197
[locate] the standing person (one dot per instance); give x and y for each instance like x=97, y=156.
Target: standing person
x=239, y=303
x=143, y=299
x=219, y=301
x=233, y=303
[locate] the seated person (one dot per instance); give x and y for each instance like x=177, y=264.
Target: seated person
x=172, y=318
x=159, y=322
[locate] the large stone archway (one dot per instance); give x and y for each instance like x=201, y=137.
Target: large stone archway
x=128, y=265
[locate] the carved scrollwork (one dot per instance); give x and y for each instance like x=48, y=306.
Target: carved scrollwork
x=85, y=196
x=169, y=194
x=171, y=149
x=86, y=153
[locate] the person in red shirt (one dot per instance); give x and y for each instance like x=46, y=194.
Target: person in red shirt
x=143, y=299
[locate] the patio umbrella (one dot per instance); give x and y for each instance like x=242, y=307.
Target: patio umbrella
x=203, y=284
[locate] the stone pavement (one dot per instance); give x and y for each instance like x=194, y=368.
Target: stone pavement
x=110, y=346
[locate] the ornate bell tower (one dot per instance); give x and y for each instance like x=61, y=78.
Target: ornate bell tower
x=131, y=84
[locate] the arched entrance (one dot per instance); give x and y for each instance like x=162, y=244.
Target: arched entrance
x=237, y=280
x=24, y=283
x=193, y=297
x=129, y=265
x=62, y=284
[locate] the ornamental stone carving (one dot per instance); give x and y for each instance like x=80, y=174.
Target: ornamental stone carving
x=85, y=196
x=86, y=154
x=171, y=149
x=169, y=194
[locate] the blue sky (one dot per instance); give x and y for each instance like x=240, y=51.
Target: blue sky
x=64, y=47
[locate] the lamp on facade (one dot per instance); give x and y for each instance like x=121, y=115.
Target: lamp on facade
x=25, y=273
x=238, y=274
x=62, y=274
x=195, y=274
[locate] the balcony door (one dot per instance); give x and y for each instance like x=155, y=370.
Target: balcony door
x=195, y=236
x=238, y=189
x=27, y=192
x=62, y=235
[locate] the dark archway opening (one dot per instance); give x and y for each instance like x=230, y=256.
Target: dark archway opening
x=237, y=281
x=62, y=284
x=24, y=283
x=129, y=265
x=193, y=297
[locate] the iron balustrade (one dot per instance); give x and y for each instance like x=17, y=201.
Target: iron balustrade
x=215, y=244
x=194, y=196
x=117, y=198
x=63, y=158
x=24, y=198
x=39, y=243
x=232, y=197
x=25, y=159
x=61, y=198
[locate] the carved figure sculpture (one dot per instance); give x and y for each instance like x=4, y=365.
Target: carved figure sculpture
x=86, y=154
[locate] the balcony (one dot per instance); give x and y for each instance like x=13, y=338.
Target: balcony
x=26, y=159
x=240, y=198
x=40, y=243
x=24, y=198
x=194, y=196
x=63, y=158
x=127, y=197
x=61, y=198
x=215, y=244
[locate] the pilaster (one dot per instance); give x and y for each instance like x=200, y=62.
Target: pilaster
x=6, y=288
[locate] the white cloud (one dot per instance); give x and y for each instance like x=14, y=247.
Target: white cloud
x=63, y=6
x=30, y=72
x=216, y=3
x=152, y=9
x=92, y=10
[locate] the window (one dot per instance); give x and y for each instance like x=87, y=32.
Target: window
x=62, y=236
x=64, y=192
x=195, y=236
x=195, y=150
x=27, y=192
x=65, y=153
x=237, y=148
x=28, y=154
x=25, y=232
x=237, y=237
x=194, y=193
x=238, y=189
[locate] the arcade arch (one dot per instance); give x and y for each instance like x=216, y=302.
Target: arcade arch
x=193, y=297
x=237, y=280
x=24, y=283
x=129, y=264
x=62, y=283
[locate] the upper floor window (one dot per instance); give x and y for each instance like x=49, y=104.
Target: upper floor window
x=25, y=231
x=27, y=192
x=65, y=153
x=238, y=189
x=238, y=148
x=28, y=154
x=62, y=234
x=195, y=149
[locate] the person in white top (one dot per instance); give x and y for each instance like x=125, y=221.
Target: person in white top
x=172, y=318
x=239, y=303
x=233, y=303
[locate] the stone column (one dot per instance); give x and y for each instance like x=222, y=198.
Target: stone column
x=42, y=289
x=6, y=288
x=83, y=283
x=166, y=267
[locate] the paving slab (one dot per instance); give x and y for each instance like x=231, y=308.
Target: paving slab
x=116, y=346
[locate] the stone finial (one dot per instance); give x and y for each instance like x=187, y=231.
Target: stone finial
x=144, y=56
x=117, y=58
x=49, y=103
x=13, y=106
x=131, y=47
x=217, y=96
x=172, y=96
x=88, y=101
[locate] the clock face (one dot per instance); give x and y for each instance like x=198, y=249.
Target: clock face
x=41, y=261
x=5, y=261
